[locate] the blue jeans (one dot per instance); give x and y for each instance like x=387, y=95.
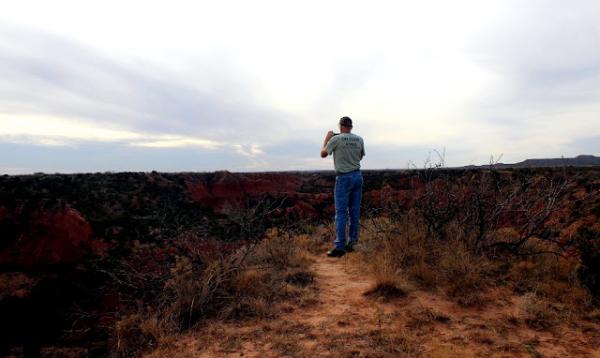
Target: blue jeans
x=348, y=194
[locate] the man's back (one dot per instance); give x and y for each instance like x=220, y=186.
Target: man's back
x=348, y=149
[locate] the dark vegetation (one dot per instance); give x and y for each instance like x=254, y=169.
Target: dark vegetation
x=242, y=281
x=161, y=258
x=128, y=206
x=533, y=232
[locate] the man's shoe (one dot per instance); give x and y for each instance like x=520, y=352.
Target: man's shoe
x=336, y=253
x=349, y=247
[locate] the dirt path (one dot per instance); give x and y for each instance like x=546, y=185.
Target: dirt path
x=342, y=303
x=340, y=321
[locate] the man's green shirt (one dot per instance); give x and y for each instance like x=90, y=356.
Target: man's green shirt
x=348, y=149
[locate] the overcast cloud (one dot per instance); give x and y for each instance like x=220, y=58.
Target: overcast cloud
x=251, y=86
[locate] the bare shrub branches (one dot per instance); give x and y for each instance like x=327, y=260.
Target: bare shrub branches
x=462, y=227
x=475, y=205
x=529, y=208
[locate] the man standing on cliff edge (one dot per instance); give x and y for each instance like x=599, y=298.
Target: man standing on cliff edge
x=348, y=149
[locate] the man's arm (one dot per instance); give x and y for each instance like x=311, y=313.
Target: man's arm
x=324, y=147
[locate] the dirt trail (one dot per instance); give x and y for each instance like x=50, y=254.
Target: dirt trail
x=342, y=322
x=341, y=297
x=341, y=313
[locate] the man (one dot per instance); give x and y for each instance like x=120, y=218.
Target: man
x=348, y=149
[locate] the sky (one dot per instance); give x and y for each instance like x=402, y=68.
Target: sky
x=95, y=86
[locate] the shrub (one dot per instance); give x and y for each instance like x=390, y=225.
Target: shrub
x=464, y=273
x=133, y=332
x=540, y=314
x=245, y=283
x=588, y=243
x=400, y=251
x=388, y=286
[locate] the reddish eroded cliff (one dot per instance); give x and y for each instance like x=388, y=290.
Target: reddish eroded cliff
x=46, y=236
x=225, y=190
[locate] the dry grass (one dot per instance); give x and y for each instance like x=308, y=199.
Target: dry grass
x=551, y=278
x=445, y=351
x=483, y=337
x=593, y=315
x=400, y=255
x=130, y=335
x=424, y=317
x=274, y=279
x=318, y=242
x=389, y=283
x=529, y=293
x=540, y=314
x=399, y=343
x=248, y=283
x=388, y=342
x=464, y=274
x=385, y=290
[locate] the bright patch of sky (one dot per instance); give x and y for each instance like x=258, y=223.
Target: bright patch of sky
x=255, y=85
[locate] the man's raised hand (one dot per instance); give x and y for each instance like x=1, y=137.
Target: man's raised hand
x=328, y=136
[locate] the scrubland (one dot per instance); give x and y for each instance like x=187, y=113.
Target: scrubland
x=399, y=294
x=476, y=263
x=467, y=271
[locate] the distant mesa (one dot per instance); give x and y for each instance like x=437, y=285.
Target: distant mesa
x=578, y=161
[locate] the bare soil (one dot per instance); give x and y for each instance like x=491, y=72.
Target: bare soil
x=337, y=319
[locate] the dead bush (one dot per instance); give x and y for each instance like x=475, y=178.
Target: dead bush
x=389, y=282
x=191, y=294
x=390, y=248
x=588, y=272
x=423, y=273
x=385, y=290
x=301, y=278
x=134, y=332
x=425, y=316
x=279, y=251
x=398, y=252
x=464, y=274
x=552, y=278
x=244, y=283
x=247, y=307
x=482, y=337
x=540, y=314
x=593, y=315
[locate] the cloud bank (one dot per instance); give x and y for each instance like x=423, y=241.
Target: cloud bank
x=230, y=87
